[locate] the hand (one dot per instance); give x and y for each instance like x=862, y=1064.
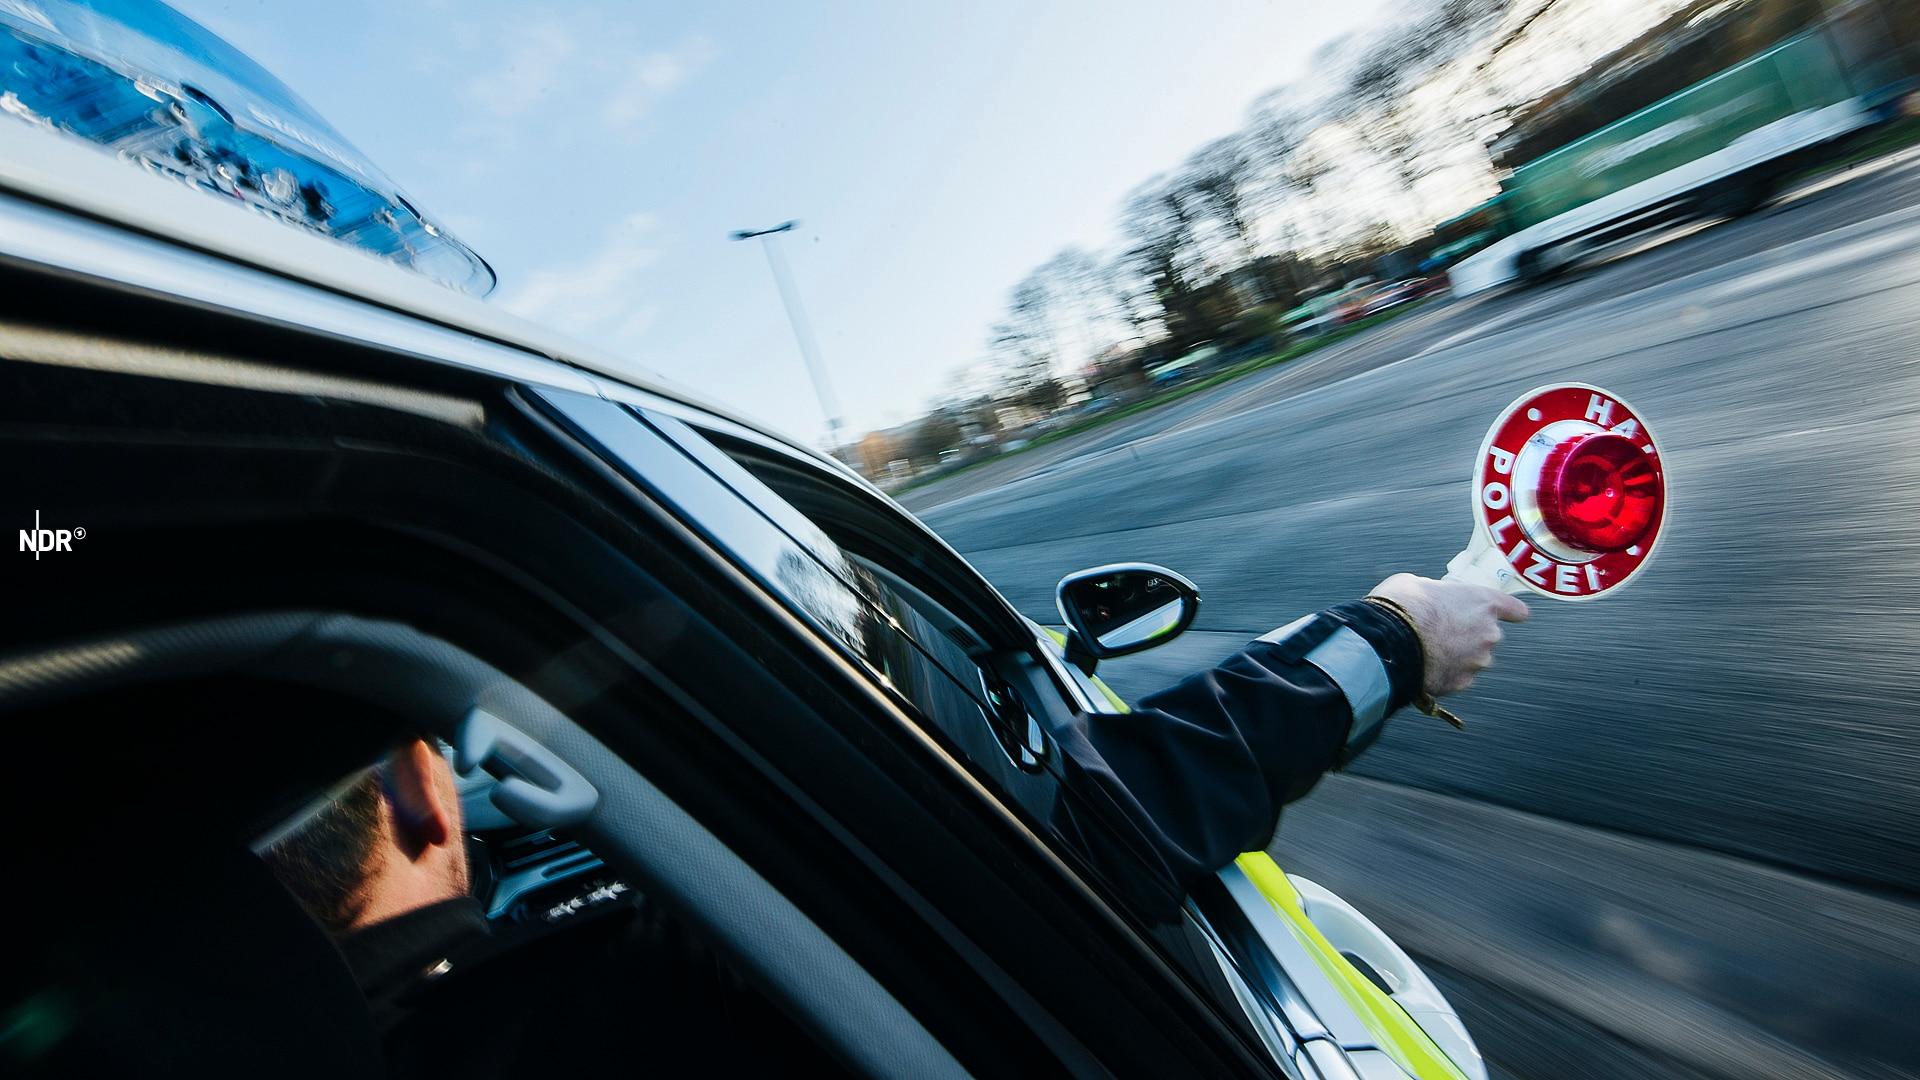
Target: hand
x=1458, y=624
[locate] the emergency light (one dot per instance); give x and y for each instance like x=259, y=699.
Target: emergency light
x=1569, y=496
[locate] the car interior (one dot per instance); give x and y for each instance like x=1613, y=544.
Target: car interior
x=295, y=554
x=192, y=936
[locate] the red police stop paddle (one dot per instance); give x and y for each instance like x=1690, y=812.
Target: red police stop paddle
x=1569, y=496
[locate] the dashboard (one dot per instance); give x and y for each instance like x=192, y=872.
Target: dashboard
x=532, y=878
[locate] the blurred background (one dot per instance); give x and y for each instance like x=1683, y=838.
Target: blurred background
x=1677, y=835
x=1236, y=288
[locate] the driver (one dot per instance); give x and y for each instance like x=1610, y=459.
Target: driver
x=383, y=866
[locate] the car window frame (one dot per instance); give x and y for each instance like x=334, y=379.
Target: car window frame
x=1168, y=964
x=981, y=606
x=798, y=562
x=1247, y=996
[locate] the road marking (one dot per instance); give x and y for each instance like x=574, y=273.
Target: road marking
x=1678, y=284
x=1492, y=325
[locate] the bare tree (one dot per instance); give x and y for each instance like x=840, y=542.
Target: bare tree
x=1456, y=25
x=1164, y=252
x=1223, y=180
x=1385, y=71
x=1376, y=95
x=1131, y=297
x=1078, y=307
x=937, y=432
x=1289, y=169
x=1027, y=348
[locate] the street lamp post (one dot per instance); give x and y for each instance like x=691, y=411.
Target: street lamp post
x=797, y=317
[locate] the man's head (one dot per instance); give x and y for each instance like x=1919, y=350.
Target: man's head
x=390, y=843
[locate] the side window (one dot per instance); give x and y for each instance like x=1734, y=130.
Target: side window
x=935, y=632
x=910, y=644
x=897, y=641
x=1016, y=732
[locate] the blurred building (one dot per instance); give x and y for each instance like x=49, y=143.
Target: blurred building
x=875, y=454
x=1876, y=41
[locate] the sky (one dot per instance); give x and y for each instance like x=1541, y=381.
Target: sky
x=599, y=154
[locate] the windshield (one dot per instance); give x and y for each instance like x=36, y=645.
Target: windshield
x=1239, y=290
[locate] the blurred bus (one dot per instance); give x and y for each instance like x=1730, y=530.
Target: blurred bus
x=1656, y=132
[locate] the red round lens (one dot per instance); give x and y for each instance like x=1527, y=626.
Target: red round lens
x=1599, y=492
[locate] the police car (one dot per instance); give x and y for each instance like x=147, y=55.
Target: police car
x=312, y=496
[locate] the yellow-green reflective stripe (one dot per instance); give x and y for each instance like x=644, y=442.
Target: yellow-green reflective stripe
x=1119, y=704
x=1404, y=1040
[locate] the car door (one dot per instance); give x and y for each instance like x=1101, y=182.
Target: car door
x=1029, y=690
x=1244, y=940
x=1081, y=973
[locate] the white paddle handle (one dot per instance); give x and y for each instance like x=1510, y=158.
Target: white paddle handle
x=1482, y=564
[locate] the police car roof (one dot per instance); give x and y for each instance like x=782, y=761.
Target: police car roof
x=166, y=238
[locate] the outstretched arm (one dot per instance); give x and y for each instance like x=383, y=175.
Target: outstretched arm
x=1198, y=772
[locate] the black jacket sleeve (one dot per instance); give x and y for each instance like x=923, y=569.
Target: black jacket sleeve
x=1196, y=774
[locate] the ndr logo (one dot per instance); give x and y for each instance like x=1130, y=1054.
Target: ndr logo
x=38, y=539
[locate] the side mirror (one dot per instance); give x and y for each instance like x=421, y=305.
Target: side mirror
x=1121, y=609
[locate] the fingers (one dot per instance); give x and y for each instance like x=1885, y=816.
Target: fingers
x=1505, y=606
x=1458, y=623
x=1509, y=608
x=1466, y=672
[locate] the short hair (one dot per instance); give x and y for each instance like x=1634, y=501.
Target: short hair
x=325, y=861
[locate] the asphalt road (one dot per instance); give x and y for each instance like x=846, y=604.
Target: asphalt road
x=1678, y=836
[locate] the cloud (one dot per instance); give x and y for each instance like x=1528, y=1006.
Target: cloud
x=597, y=297
x=548, y=89
x=575, y=69
x=652, y=77
x=534, y=57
